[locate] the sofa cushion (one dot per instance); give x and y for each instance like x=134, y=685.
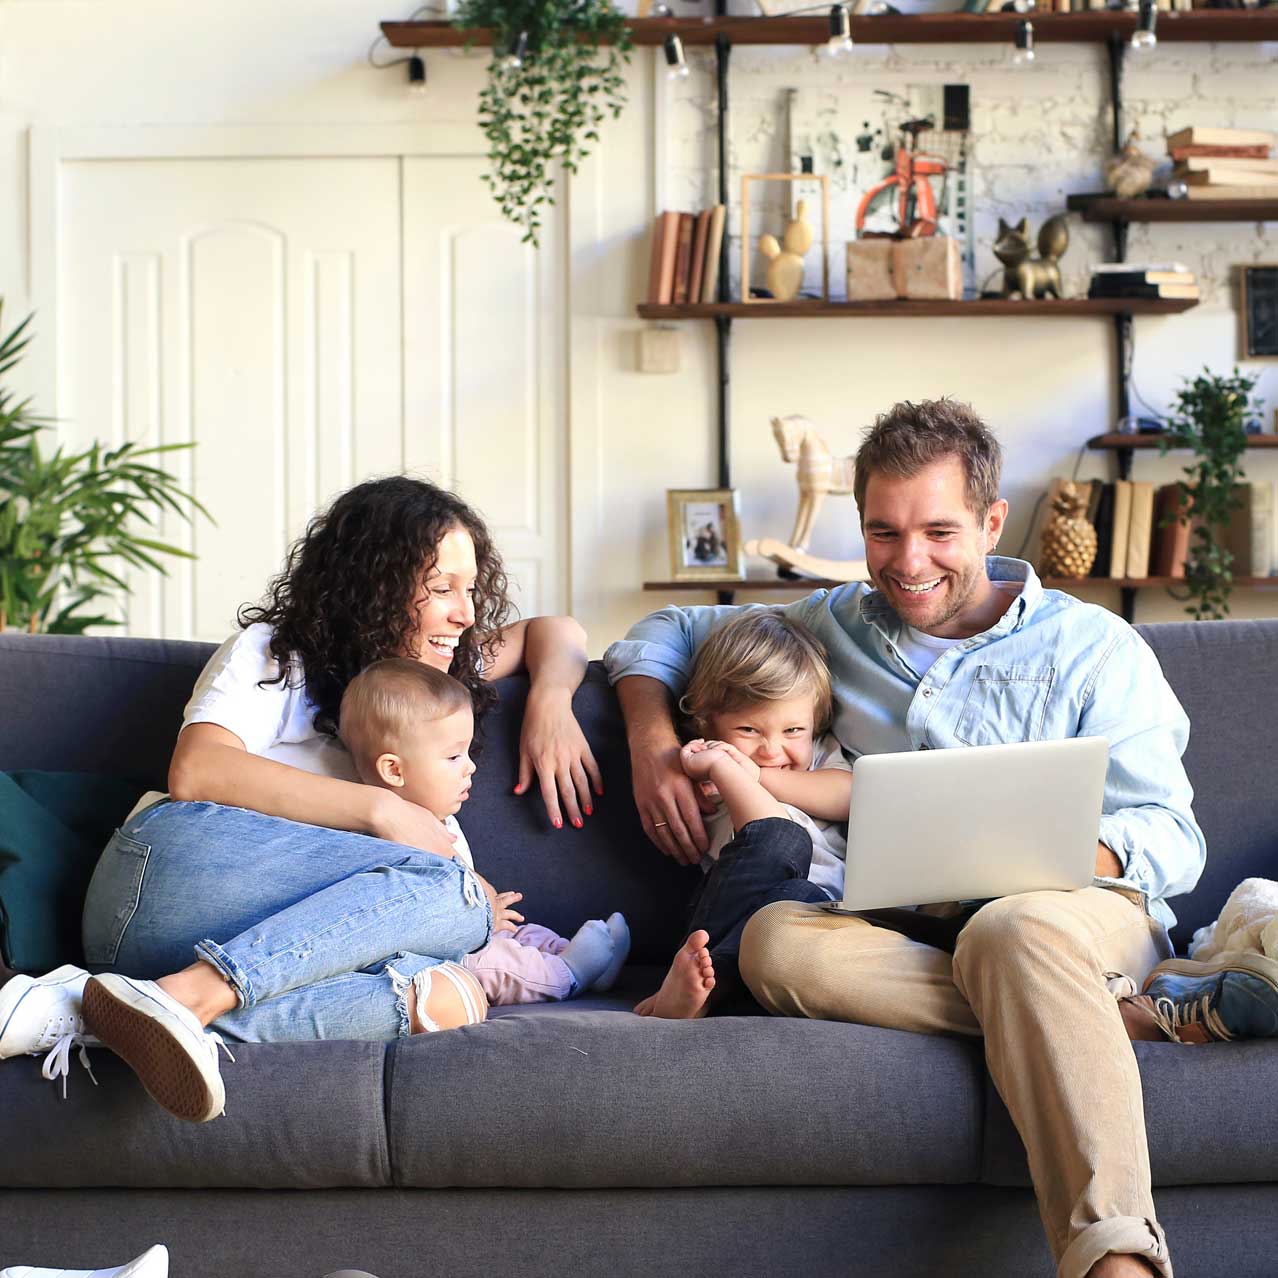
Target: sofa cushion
x=298, y=1116
x=53, y=827
x=1211, y=1113
x=599, y=1099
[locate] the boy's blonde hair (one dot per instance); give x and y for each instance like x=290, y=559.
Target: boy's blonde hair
x=386, y=699
x=759, y=655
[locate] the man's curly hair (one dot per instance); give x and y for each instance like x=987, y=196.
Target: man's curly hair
x=345, y=596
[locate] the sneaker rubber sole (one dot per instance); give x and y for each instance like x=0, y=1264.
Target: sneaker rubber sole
x=173, y=1078
x=1258, y=964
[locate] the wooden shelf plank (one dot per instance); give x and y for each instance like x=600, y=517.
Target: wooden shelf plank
x=1108, y=208
x=753, y=584
x=1139, y=583
x=1112, y=441
x=921, y=28
x=767, y=585
x=920, y=310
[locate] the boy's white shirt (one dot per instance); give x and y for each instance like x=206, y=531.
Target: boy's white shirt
x=829, y=840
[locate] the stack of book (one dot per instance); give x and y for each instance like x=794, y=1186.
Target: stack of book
x=1225, y=164
x=1143, y=279
x=1139, y=532
x=684, y=267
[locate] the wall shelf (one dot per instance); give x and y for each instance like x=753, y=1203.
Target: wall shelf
x=767, y=585
x=1137, y=583
x=1113, y=442
x=759, y=584
x=922, y=28
x=920, y=310
x=1109, y=208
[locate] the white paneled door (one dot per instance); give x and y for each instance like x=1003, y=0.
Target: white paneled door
x=265, y=308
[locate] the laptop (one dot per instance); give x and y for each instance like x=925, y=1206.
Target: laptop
x=973, y=823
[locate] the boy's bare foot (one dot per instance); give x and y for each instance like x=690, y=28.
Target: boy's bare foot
x=683, y=994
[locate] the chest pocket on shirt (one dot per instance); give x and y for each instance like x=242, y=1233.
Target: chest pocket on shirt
x=1005, y=704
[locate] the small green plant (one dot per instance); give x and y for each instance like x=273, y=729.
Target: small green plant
x=68, y=521
x=542, y=109
x=1209, y=418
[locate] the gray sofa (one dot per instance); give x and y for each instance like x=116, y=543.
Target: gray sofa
x=579, y=1139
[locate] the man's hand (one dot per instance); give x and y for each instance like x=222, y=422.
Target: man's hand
x=669, y=805
x=1108, y=866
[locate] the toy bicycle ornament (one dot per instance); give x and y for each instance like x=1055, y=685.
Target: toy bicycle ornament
x=915, y=201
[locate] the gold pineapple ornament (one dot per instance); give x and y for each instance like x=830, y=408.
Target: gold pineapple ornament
x=1069, y=540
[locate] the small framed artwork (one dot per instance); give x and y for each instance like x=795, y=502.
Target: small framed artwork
x=1259, y=298
x=705, y=534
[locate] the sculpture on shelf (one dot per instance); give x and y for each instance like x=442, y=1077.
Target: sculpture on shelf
x=1130, y=172
x=1026, y=276
x=819, y=473
x=785, y=260
x=1069, y=540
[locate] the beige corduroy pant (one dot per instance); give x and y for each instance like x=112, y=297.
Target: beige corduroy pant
x=1036, y=975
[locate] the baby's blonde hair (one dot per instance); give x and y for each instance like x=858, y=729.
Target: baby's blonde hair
x=386, y=699
x=759, y=655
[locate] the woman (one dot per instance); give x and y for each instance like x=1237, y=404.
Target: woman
x=304, y=926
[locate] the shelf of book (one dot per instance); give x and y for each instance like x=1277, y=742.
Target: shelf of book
x=769, y=585
x=901, y=308
x=918, y=28
x=1115, y=442
x=1108, y=208
x=763, y=585
x=1139, y=583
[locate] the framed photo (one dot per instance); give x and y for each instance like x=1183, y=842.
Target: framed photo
x=1260, y=311
x=705, y=534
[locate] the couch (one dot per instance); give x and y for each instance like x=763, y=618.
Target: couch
x=579, y=1139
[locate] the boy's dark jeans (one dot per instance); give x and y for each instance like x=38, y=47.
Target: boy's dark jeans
x=767, y=861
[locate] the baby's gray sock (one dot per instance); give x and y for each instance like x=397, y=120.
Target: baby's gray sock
x=588, y=954
x=620, y=933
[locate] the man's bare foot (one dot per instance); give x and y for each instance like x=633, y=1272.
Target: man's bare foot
x=1121, y=1267
x=683, y=994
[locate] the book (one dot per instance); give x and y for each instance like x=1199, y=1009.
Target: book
x=1140, y=529
x=1182, y=291
x=1171, y=536
x=1238, y=534
x=700, y=231
x=1262, y=529
x=1179, y=153
x=1228, y=177
x=1144, y=268
x=1115, y=279
x=1220, y=164
x=1119, y=528
x=714, y=242
x=665, y=236
x=1104, y=522
x=1197, y=135
x=1231, y=193
x=683, y=258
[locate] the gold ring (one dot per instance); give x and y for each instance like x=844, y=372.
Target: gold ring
x=656, y=825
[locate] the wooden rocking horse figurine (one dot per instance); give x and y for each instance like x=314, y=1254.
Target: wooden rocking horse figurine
x=819, y=473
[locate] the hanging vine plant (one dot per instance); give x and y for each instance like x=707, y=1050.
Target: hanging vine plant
x=1209, y=418
x=555, y=77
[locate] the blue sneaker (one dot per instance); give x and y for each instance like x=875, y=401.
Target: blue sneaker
x=1234, y=996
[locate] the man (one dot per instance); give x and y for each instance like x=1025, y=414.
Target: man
x=953, y=648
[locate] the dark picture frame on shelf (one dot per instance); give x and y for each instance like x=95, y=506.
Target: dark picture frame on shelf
x=1258, y=307
x=705, y=534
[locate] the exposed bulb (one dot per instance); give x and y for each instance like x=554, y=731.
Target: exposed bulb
x=1023, y=50
x=1143, y=38
x=840, y=42
x=417, y=75
x=1142, y=41
x=676, y=63
x=514, y=60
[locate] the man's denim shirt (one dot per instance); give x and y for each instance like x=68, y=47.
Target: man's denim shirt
x=1052, y=667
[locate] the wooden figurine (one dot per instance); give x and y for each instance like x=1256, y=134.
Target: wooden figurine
x=785, y=260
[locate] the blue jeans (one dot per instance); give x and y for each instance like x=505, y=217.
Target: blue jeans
x=317, y=931
x=767, y=860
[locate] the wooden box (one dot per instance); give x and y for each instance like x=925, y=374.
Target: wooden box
x=927, y=268
x=870, y=276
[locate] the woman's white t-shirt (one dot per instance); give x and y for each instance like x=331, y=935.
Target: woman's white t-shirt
x=274, y=720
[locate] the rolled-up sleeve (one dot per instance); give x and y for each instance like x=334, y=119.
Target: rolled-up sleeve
x=1148, y=820
x=662, y=645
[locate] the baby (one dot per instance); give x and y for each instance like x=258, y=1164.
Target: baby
x=760, y=700
x=408, y=728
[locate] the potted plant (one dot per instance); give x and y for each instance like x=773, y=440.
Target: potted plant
x=69, y=522
x=554, y=78
x=1210, y=419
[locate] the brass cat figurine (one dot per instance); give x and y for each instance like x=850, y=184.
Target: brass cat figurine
x=1025, y=276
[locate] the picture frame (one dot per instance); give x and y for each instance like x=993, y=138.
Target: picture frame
x=705, y=534
x=1258, y=308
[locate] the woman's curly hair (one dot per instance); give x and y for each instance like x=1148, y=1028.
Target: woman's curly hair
x=345, y=596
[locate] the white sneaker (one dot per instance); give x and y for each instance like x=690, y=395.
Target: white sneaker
x=44, y=1014
x=152, y=1263
x=173, y=1055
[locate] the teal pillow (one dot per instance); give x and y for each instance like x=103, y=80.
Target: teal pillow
x=53, y=827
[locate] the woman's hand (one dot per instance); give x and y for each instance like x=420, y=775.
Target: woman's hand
x=400, y=821
x=553, y=746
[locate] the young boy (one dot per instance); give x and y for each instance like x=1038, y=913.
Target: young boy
x=408, y=728
x=759, y=698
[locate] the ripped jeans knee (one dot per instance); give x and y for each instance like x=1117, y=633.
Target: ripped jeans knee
x=438, y=1005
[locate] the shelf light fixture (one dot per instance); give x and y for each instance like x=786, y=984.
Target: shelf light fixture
x=514, y=60
x=1144, y=38
x=840, y=41
x=417, y=75
x=676, y=63
x=1023, y=49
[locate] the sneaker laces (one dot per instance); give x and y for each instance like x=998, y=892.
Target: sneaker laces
x=57, y=1064
x=1171, y=1017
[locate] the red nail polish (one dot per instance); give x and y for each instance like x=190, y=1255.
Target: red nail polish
x=559, y=825
x=576, y=822
x=590, y=812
